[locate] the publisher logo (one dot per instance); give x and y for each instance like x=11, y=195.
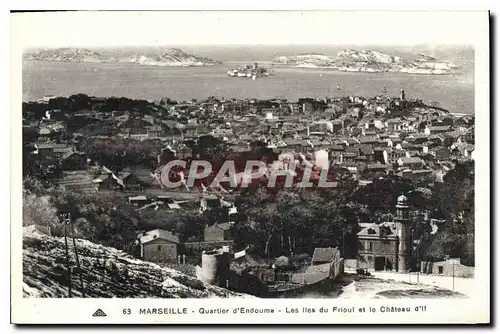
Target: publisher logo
x=99, y=313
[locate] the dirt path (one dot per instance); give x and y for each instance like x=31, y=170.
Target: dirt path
x=462, y=285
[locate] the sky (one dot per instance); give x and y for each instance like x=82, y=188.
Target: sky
x=120, y=29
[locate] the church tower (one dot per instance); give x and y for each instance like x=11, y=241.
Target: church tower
x=403, y=223
x=402, y=95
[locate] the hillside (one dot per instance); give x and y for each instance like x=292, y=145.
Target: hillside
x=368, y=61
x=107, y=273
x=169, y=57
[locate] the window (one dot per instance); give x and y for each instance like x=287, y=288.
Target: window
x=370, y=246
x=159, y=247
x=440, y=269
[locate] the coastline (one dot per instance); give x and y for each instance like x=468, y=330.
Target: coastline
x=405, y=70
x=152, y=64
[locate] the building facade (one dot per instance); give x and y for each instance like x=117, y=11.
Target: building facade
x=387, y=246
x=158, y=246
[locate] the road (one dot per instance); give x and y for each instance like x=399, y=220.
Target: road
x=462, y=285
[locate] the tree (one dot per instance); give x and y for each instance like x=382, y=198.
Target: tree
x=38, y=210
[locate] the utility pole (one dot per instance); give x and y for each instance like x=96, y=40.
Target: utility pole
x=343, y=242
x=453, y=276
x=70, y=222
x=67, y=254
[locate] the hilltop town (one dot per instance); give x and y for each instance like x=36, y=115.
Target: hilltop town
x=101, y=161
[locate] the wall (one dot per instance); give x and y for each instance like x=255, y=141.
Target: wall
x=214, y=268
x=166, y=253
x=198, y=247
x=379, y=247
x=350, y=264
x=213, y=234
x=459, y=270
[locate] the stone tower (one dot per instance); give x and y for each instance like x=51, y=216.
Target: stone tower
x=403, y=223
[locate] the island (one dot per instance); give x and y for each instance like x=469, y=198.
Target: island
x=168, y=57
x=350, y=60
x=252, y=71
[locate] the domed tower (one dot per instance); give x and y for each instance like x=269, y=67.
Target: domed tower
x=403, y=223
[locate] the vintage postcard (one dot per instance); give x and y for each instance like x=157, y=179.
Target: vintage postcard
x=250, y=167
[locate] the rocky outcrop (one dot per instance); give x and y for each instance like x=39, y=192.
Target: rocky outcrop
x=307, y=60
x=107, y=273
x=65, y=55
x=368, y=61
x=170, y=57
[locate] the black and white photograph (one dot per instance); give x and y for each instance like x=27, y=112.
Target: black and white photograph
x=157, y=166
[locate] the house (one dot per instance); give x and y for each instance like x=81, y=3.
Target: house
x=158, y=246
x=413, y=163
x=441, y=153
x=154, y=131
x=209, y=202
x=264, y=274
x=377, y=167
x=394, y=125
x=378, y=247
x=53, y=149
x=449, y=267
x=393, y=155
x=430, y=130
x=324, y=255
x=293, y=144
x=130, y=180
x=74, y=161
x=368, y=152
x=218, y=232
x=51, y=129
x=369, y=140
x=138, y=200
x=325, y=263
x=108, y=181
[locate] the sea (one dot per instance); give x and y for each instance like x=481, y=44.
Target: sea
x=454, y=92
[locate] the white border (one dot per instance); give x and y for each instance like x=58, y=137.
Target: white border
x=482, y=234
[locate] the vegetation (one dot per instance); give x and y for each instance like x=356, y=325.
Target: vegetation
x=272, y=221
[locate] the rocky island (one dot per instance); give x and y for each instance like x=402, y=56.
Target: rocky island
x=368, y=61
x=66, y=55
x=169, y=57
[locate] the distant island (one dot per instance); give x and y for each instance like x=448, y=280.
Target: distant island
x=170, y=57
x=368, y=61
x=252, y=71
